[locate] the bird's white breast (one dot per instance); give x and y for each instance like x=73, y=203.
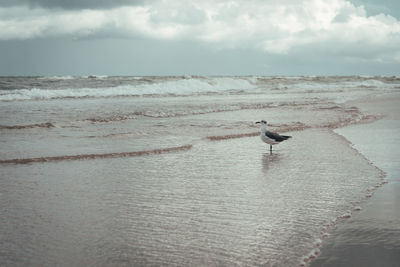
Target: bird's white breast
x=268, y=140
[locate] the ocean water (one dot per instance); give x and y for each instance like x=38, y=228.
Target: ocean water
x=122, y=171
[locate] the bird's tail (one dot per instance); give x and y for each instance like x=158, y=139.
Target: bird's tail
x=286, y=137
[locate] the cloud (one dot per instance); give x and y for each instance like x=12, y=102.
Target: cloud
x=71, y=4
x=337, y=27
x=24, y=23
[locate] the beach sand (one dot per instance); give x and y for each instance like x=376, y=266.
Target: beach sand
x=371, y=236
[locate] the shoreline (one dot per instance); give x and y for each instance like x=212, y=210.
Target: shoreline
x=368, y=237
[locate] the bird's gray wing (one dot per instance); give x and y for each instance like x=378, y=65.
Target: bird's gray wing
x=276, y=137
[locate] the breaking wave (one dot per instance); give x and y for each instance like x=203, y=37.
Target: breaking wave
x=170, y=87
x=44, y=88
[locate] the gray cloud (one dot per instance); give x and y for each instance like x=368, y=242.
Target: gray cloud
x=184, y=13
x=234, y=37
x=72, y=4
x=269, y=26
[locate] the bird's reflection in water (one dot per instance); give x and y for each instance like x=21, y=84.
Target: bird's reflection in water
x=268, y=160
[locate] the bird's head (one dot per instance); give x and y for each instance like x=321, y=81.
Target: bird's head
x=263, y=122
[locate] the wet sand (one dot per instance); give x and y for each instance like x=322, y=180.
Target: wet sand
x=371, y=237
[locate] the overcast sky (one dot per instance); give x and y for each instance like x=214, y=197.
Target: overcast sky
x=207, y=37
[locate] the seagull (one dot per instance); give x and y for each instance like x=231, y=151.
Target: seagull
x=270, y=137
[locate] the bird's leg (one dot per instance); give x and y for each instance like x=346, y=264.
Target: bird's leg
x=270, y=149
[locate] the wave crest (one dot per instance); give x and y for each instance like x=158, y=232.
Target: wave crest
x=37, y=125
x=198, y=85
x=97, y=156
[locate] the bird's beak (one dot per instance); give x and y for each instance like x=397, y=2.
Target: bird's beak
x=258, y=122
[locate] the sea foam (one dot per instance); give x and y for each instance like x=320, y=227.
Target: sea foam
x=340, y=89
x=185, y=86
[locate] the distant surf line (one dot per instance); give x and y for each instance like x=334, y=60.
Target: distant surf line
x=96, y=156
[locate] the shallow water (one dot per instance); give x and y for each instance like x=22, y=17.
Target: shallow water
x=134, y=201
x=221, y=203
